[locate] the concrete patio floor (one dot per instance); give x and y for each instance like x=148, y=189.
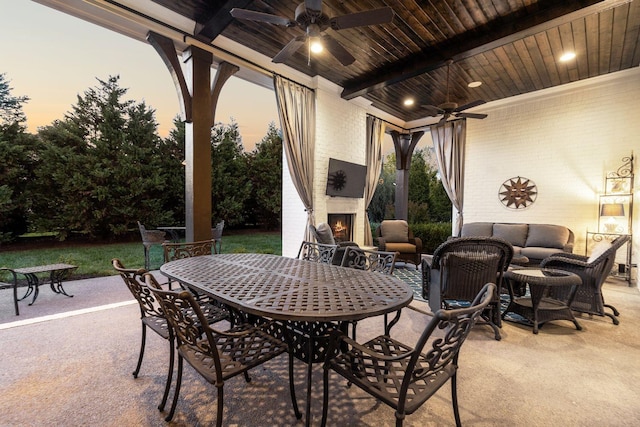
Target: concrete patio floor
x=68, y=361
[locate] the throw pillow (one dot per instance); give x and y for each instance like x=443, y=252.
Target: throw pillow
x=547, y=236
x=598, y=250
x=395, y=231
x=516, y=234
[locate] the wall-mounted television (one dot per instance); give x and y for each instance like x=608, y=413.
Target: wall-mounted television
x=346, y=179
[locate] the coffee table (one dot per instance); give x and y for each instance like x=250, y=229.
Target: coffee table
x=541, y=306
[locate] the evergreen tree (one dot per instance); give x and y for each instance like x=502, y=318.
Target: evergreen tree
x=264, y=207
x=231, y=186
x=17, y=162
x=103, y=160
x=10, y=106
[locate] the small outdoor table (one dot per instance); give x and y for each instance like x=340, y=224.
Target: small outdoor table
x=541, y=306
x=302, y=294
x=56, y=273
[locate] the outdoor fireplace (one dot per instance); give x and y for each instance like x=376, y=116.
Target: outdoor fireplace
x=342, y=226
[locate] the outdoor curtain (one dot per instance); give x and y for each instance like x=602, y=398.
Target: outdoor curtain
x=375, y=133
x=297, y=112
x=449, y=143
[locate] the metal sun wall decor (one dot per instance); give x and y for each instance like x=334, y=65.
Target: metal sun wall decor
x=518, y=193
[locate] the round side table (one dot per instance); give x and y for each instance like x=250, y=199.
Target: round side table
x=541, y=306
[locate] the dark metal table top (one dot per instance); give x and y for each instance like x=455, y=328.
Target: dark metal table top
x=543, y=276
x=291, y=289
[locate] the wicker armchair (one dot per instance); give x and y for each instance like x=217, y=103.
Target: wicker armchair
x=149, y=238
x=216, y=355
x=593, y=271
x=459, y=269
x=401, y=376
x=396, y=236
x=317, y=252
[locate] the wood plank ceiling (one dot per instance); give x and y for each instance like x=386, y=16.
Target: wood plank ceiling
x=511, y=46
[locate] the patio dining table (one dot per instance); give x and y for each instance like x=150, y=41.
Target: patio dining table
x=293, y=291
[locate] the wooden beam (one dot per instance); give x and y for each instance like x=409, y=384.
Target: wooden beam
x=215, y=25
x=225, y=70
x=167, y=51
x=494, y=34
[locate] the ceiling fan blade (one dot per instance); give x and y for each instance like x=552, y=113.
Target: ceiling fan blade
x=289, y=49
x=252, y=15
x=315, y=5
x=433, y=110
x=470, y=105
x=382, y=15
x=337, y=50
x=472, y=115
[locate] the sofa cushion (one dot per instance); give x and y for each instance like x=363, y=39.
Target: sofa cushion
x=403, y=248
x=547, y=236
x=325, y=234
x=480, y=229
x=537, y=253
x=598, y=250
x=516, y=234
x=395, y=231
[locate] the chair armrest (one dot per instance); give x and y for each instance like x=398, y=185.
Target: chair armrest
x=382, y=244
x=339, y=338
x=418, y=242
x=564, y=262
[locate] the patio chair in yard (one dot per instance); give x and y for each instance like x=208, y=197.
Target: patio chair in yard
x=459, y=269
x=405, y=377
x=216, y=234
x=317, y=252
x=593, y=271
x=150, y=238
x=215, y=354
x=151, y=316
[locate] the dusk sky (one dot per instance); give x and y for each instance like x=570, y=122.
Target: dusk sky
x=52, y=57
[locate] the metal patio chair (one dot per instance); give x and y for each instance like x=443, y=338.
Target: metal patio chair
x=402, y=376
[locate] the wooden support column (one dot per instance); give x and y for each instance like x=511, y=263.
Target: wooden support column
x=404, y=145
x=198, y=101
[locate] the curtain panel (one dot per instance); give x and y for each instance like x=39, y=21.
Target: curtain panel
x=297, y=113
x=449, y=141
x=375, y=133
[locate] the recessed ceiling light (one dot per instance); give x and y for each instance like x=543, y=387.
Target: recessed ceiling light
x=568, y=56
x=474, y=84
x=408, y=102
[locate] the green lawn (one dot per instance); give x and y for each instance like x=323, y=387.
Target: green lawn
x=94, y=260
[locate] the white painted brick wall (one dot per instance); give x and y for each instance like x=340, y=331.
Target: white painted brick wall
x=340, y=134
x=565, y=141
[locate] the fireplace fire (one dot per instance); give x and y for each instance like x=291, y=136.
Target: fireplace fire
x=342, y=227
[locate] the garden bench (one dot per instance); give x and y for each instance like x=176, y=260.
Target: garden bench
x=56, y=273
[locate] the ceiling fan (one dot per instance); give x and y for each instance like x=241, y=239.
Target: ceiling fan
x=314, y=18
x=448, y=108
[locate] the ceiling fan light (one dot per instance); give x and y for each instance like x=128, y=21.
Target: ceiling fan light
x=567, y=56
x=315, y=45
